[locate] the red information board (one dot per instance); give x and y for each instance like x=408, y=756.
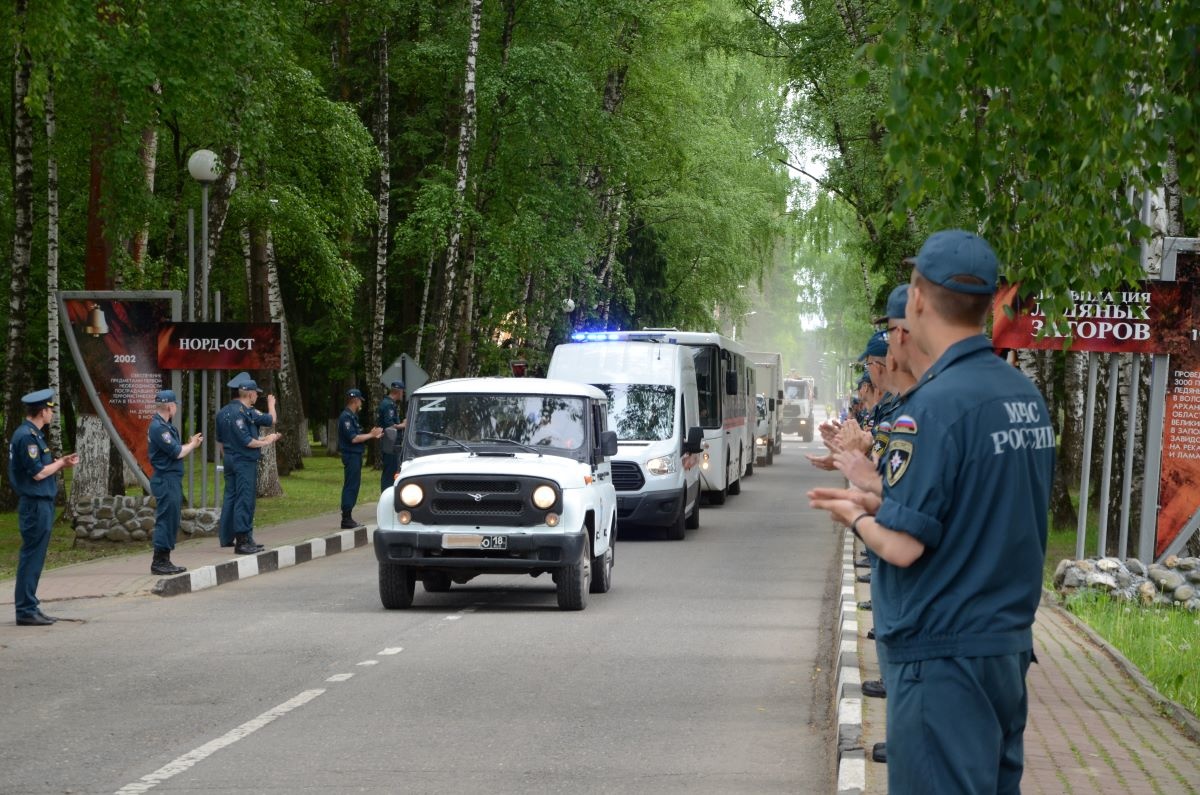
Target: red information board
x=219, y=346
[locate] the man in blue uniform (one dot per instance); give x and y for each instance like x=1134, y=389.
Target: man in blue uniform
x=31, y=471
x=961, y=531
x=351, y=442
x=389, y=419
x=242, y=450
x=166, y=484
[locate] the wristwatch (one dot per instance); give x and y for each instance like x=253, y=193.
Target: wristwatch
x=854, y=524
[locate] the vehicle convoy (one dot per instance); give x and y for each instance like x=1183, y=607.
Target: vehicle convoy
x=654, y=409
x=725, y=393
x=799, y=397
x=768, y=379
x=501, y=476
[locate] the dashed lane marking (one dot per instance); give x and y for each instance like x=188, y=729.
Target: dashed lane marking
x=339, y=677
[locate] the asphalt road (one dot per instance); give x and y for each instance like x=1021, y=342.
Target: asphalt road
x=706, y=668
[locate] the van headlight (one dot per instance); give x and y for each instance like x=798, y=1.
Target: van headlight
x=544, y=497
x=411, y=495
x=663, y=465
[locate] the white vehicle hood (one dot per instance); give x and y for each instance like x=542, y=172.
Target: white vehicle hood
x=565, y=471
x=644, y=451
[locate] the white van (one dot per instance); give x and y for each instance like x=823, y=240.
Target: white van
x=653, y=407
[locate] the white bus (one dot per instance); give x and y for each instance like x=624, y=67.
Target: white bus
x=725, y=389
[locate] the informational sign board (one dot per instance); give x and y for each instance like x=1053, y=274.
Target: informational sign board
x=219, y=346
x=113, y=340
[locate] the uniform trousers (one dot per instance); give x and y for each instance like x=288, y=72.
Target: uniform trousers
x=390, y=463
x=245, y=494
x=225, y=529
x=35, y=515
x=957, y=724
x=168, y=496
x=352, y=478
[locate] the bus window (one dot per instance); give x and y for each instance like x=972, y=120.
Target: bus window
x=708, y=387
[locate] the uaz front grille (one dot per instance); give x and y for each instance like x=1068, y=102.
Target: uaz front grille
x=470, y=507
x=627, y=476
x=483, y=500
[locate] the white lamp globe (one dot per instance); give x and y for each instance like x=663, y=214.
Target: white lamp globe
x=204, y=166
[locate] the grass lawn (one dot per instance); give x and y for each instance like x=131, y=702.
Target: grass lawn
x=316, y=489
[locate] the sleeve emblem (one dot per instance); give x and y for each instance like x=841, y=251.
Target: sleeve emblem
x=899, y=454
x=904, y=424
x=33, y=451
x=166, y=436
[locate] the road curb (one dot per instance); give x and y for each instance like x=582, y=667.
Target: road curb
x=1182, y=717
x=246, y=566
x=852, y=764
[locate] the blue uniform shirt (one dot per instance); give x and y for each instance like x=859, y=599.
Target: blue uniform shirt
x=241, y=427
x=881, y=422
x=347, y=429
x=164, y=447
x=388, y=413
x=28, y=453
x=967, y=472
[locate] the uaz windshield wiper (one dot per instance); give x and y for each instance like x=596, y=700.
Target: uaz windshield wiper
x=450, y=439
x=522, y=445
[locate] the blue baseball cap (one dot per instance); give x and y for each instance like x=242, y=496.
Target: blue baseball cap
x=354, y=393
x=45, y=396
x=865, y=378
x=955, y=252
x=165, y=396
x=876, y=346
x=396, y=385
x=897, y=300
x=235, y=382
x=247, y=384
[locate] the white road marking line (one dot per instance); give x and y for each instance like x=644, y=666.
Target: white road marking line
x=452, y=618
x=339, y=677
x=188, y=760
x=392, y=650
x=369, y=662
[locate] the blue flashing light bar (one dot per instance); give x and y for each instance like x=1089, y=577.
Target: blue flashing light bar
x=595, y=336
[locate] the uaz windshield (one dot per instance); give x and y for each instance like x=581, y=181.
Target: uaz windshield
x=541, y=421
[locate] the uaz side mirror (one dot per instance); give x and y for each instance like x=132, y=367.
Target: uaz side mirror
x=695, y=441
x=608, y=443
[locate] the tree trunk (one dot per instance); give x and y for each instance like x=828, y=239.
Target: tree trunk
x=16, y=379
x=260, y=245
x=54, y=429
x=424, y=309
x=149, y=157
x=289, y=422
x=90, y=478
x=374, y=360
x=466, y=138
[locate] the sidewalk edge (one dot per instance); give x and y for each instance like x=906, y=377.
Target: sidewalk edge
x=264, y=562
x=851, y=758
x=1186, y=721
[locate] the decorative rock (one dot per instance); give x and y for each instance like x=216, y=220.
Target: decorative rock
x=1060, y=571
x=1072, y=579
x=1166, y=579
x=105, y=512
x=1193, y=604
x=118, y=534
x=81, y=532
x=1147, y=592
x=146, y=523
x=1085, y=565
x=1124, y=578
x=1183, y=593
x=1188, y=564
x=1171, y=562
x=125, y=514
x=188, y=513
x=98, y=533
x=1104, y=580
x=1193, y=576
x=1135, y=566
x=1108, y=564
x=84, y=509
x=137, y=535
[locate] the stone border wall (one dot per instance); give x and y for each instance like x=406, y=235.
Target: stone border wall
x=124, y=519
x=1175, y=581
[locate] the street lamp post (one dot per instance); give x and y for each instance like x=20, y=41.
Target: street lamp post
x=205, y=168
x=744, y=314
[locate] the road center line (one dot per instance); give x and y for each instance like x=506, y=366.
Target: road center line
x=183, y=763
x=339, y=677
x=392, y=650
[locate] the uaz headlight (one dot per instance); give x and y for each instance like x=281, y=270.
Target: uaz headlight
x=544, y=497
x=411, y=495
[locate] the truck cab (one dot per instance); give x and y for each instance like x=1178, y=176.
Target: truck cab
x=501, y=476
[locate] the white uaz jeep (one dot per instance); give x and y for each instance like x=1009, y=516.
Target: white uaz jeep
x=500, y=476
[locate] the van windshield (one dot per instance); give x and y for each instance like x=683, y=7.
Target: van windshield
x=640, y=412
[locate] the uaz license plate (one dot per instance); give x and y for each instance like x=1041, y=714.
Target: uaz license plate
x=473, y=541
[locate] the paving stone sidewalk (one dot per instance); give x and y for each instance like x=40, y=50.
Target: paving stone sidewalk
x=1095, y=724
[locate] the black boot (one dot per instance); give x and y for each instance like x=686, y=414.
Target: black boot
x=162, y=563
x=242, y=545
x=348, y=522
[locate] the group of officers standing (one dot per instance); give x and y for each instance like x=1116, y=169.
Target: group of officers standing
x=32, y=469
x=954, y=523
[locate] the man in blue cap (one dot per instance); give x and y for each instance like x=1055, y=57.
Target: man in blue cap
x=242, y=450
x=166, y=484
x=31, y=471
x=389, y=418
x=351, y=442
x=961, y=531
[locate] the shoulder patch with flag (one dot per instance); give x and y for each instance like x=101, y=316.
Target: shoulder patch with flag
x=904, y=424
x=898, y=456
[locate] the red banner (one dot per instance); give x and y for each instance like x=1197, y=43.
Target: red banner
x=1178, y=496
x=115, y=340
x=1149, y=319
x=219, y=346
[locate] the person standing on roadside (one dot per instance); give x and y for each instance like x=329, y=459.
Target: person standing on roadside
x=389, y=418
x=166, y=484
x=242, y=451
x=31, y=471
x=351, y=442
x=961, y=533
